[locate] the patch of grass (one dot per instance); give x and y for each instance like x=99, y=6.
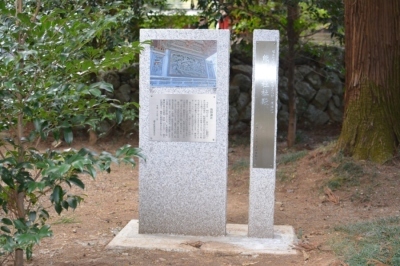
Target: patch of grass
x=292, y=157
x=285, y=174
x=66, y=220
x=349, y=168
x=299, y=233
x=335, y=183
x=241, y=165
x=348, y=172
x=326, y=148
x=369, y=243
x=364, y=195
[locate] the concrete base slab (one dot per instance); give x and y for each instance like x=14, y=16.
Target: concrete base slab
x=236, y=241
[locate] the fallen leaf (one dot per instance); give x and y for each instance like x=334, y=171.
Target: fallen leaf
x=376, y=262
x=249, y=263
x=339, y=263
x=305, y=255
x=306, y=246
x=330, y=196
x=196, y=244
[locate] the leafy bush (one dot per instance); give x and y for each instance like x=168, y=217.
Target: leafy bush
x=292, y=157
x=46, y=58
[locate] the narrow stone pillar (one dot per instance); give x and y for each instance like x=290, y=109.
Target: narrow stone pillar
x=263, y=133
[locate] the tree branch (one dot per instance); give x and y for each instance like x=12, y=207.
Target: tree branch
x=33, y=18
x=312, y=33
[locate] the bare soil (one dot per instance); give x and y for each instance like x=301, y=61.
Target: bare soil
x=302, y=200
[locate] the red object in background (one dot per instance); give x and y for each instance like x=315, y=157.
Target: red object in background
x=224, y=23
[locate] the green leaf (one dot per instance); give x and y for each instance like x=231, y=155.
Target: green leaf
x=6, y=221
x=73, y=203
x=58, y=208
x=115, y=105
x=95, y=92
x=43, y=214
x=91, y=170
x=5, y=229
x=84, y=152
x=78, y=164
x=7, y=178
x=32, y=216
x=62, y=169
x=80, y=87
x=65, y=124
x=103, y=85
x=9, y=243
x=76, y=181
x=32, y=186
x=4, y=206
x=57, y=195
x=68, y=135
x=20, y=225
x=25, y=18
x=120, y=151
x=45, y=231
x=27, y=111
x=26, y=238
x=118, y=115
x=130, y=161
x=28, y=252
x=65, y=204
x=56, y=134
x=37, y=124
x=32, y=136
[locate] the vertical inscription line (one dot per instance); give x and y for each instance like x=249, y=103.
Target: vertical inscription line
x=265, y=77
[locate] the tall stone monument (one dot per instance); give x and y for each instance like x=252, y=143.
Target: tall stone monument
x=263, y=133
x=184, y=77
x=184, y=85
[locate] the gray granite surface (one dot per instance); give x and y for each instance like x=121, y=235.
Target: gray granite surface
x=183, y=185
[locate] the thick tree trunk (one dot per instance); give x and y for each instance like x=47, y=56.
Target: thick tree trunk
x=293, y=39
x=371, y=124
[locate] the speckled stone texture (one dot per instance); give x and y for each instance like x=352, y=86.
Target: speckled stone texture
x=262, y=180
x=183, y=185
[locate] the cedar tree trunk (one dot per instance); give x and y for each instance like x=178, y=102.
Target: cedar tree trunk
x=371, y=124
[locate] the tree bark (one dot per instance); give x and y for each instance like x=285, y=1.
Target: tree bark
x=371, y=124
x=293, y=14
x=20, y=196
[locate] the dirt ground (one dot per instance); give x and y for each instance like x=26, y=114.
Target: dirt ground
x=111, y=201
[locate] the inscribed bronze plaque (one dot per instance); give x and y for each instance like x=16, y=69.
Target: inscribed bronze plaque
x=183, y=117
x=265, y=78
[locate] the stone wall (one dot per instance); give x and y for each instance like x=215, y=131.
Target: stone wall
x=319, y=93
x=319, y=90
